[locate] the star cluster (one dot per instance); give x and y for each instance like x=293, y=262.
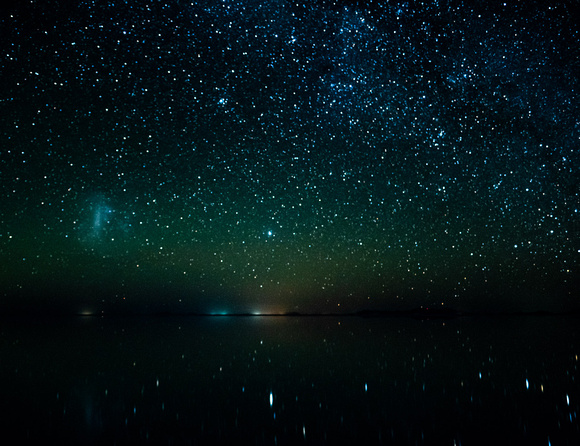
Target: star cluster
x=282, y=156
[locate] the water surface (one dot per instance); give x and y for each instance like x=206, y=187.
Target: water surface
x=291, y=380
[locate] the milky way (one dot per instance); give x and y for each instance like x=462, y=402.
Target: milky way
x=276, y=156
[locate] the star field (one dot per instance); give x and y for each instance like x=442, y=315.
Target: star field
x=280, y=156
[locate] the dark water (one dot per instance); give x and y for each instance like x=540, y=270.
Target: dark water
x=291, y=380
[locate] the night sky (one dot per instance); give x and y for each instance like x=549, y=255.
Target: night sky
x=276, y=156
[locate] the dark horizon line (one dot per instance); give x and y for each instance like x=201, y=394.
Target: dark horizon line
x=419, y=313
